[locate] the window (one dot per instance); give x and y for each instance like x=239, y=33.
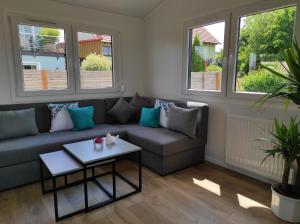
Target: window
x=61, y=58
x=222, y=53
x=206, y=57
x=44, y=46
x=96, y=66
x=261, y=37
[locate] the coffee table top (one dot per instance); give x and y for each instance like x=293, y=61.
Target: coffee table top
x=86, y=153
x=59, y=163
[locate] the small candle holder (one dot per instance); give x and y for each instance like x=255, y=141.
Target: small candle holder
x=98, y=143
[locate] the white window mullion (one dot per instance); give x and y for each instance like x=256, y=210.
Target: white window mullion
x=206, y=23
x=237, y=14
x=46, y=58
x=79, y=34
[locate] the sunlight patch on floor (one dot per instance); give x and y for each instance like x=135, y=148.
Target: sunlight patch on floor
x=246, y=202
x=208, y=185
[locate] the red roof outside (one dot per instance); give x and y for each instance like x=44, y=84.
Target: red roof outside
x=205, y=36
x=97, y=37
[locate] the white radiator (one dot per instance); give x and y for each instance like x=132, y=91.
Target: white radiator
x=243, y=149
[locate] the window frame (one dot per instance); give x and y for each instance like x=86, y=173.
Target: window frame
x=15, y=21
x=198, y=22
x=73, y=72
x=234, y=38
x=116, y=71
x=230, y=47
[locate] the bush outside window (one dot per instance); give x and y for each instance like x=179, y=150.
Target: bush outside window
x=96, y=68
x=247, y=38
x=261, y=38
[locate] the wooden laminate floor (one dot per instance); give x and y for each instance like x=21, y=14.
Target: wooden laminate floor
x=202, y=194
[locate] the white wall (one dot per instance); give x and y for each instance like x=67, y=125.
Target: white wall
x=132, y=43
x=164, y=38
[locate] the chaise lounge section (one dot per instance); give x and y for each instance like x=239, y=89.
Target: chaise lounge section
x=164, y=151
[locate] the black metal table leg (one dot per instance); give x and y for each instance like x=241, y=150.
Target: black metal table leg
x=86, y=202
x=140, y=171
x=93, y=171
x=55, y=198
x=66, y=180
x=42, y=177
x=114, y=180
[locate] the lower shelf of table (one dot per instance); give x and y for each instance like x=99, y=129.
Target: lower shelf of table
x=95, y=180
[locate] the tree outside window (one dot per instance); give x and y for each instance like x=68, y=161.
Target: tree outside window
x=262, y=37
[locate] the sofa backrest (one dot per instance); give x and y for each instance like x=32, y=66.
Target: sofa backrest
x=43, y=114
x=102, y=106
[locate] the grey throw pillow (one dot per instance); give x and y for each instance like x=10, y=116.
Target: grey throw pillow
x=122, y=111
x=139, y=102
x=17, y=123
x=183, y=120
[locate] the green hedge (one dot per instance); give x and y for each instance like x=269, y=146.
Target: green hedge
x=94, y=62
x=214, y=68
x=260, y=81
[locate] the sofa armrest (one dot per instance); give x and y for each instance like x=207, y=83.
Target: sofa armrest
x=202, y=123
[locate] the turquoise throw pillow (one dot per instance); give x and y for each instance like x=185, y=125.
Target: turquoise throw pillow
x=150, y=117
x=82, y=117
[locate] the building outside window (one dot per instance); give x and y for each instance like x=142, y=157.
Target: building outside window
x=96, y=67
x=223, y=53
x=206, y=53
x=45, y=47
x=61, y=58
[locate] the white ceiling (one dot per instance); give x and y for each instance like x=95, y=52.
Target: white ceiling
x=136, y=8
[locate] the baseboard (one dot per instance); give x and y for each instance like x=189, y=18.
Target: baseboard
x=238, y=170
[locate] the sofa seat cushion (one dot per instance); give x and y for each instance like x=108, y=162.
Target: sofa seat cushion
x=160, y=141
x=26, y=149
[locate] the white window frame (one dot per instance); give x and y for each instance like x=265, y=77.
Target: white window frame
x=234, y=38
x=203, y=21
x=116, y=76
x=73, y=67
x=15, y=22
x=231, y=18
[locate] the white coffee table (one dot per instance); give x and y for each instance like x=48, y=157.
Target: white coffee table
x=59, y=164
x=88, y=157
x=83, y=156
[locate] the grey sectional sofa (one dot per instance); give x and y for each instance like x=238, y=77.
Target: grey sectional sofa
x=164, y=151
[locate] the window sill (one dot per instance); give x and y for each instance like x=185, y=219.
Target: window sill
x=246, y=100
x=194, y=92
x=99, y=91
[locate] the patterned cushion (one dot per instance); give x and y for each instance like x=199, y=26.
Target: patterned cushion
x=163, y=111
x=60, y=118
